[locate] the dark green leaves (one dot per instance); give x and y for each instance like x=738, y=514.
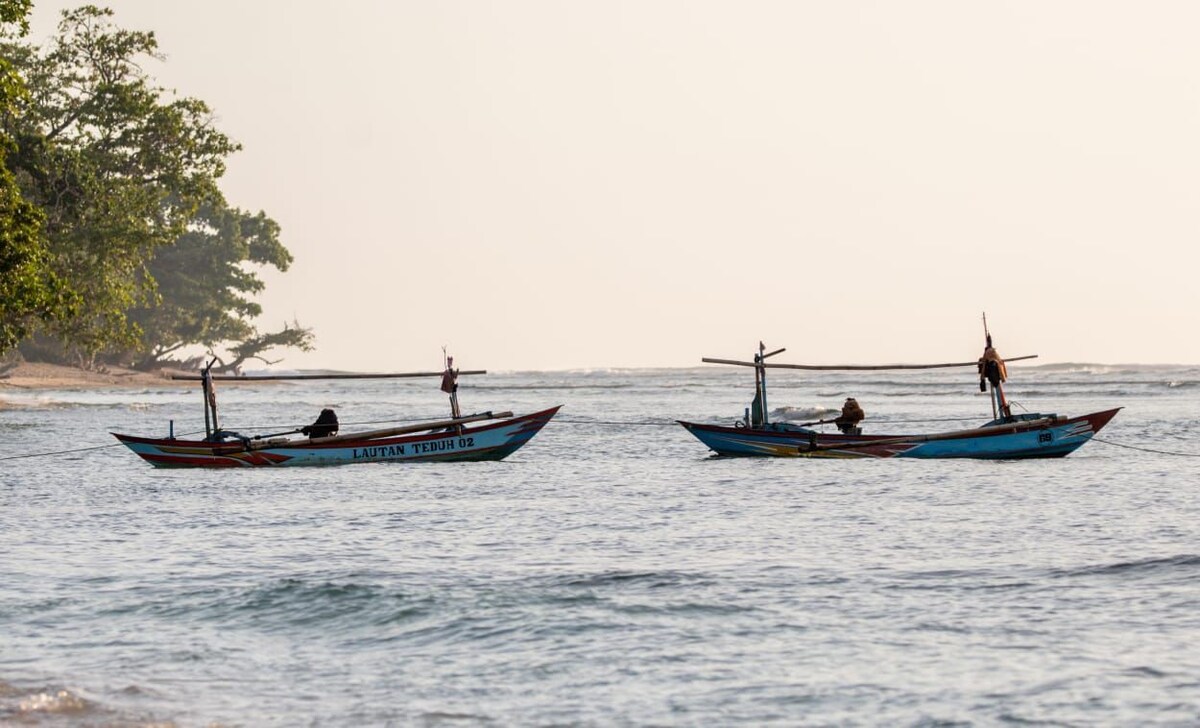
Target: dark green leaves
x=134, y=239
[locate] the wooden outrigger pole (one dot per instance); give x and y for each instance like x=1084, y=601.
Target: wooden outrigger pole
x=456, y=422
x=852, y=367
x=757, y=415
x=285, y=377
x=212, y=423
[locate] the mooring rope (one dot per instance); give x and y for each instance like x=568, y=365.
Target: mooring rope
x=1147, y=449
x=60, y=452
x=644, y=423
x=650, y=423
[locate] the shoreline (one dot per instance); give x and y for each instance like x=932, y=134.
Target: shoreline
x=38, y=376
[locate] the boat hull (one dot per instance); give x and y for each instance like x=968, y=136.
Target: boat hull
x=1036, y=439
x=494, y=441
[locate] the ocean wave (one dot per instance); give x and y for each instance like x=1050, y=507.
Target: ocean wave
x=30, y=706
x=1097, y=368
x=56, y=705
x=1187, y=564
x=650, y=579
x=286, y=603
x=1071, y=367
x=43, y=403
x=347, y=607
x=801, y=414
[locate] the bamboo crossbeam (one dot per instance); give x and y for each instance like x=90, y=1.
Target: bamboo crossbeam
x=917, y=439
x=388, y=432
x=856, y=367
x=275, y=377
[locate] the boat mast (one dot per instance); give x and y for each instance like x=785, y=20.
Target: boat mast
x=758, y=410
x=211, y=424
x=450, y=383
x=1000, y=406
x=761, y=418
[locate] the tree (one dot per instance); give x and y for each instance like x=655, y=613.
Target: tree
x=12, y=13
x=203, y=287
x=29, y=290
x=118, y=165
x=254, y=347
x=140, y=255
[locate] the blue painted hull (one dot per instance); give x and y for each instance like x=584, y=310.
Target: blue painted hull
x=488, y=442
x=1041, y=438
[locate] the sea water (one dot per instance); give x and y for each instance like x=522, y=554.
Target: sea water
x=611, y=572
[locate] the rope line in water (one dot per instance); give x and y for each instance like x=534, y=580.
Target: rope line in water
x=78, y=449
x=59, y=452
x=649, y=423
x=566, y=422
x=645, y=423
x=1147, y=449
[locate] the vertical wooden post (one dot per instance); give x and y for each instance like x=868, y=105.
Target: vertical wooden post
x=205, y=383
x=210, y=401
x=766, y=418
x=450, y=385
x=1002, y=402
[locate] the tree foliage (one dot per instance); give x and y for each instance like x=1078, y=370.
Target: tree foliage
x=118, y=166
x=29, y=290
x=117, y=238
x=256, y=346
x=204, y=287
x=14, y=20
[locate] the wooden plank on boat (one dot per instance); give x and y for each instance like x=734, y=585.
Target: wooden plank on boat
x=955, y=435
x=388, y=432
x=277, y=377
x=855, y=367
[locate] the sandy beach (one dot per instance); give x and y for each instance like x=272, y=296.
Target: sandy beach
x=36, y=375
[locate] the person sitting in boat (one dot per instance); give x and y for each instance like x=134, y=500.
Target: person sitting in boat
x=325, y=426
x=851, y=415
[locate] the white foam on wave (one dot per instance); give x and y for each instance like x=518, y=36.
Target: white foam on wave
x=800, y=414
x=58, y=702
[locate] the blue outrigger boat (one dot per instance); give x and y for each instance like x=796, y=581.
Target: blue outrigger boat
x=1006, y=436
x=475, y=437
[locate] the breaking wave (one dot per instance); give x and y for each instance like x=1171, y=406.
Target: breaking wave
x=36, y=705
x=801, y=414
x=1183, y=564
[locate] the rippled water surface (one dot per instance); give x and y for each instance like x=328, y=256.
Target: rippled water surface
x=606, y=573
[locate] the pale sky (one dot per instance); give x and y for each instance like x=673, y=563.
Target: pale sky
x=555, y=184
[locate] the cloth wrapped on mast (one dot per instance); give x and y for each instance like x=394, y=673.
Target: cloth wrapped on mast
x=991, y=367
